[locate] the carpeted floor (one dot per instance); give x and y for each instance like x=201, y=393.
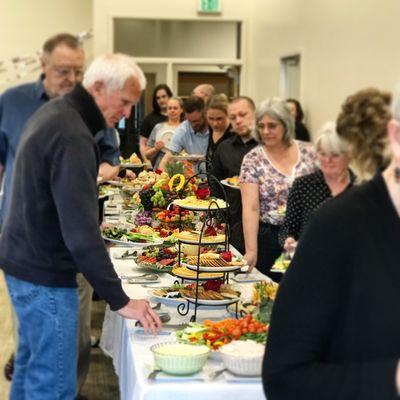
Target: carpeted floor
x=101, y=383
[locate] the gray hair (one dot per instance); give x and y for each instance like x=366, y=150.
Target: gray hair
x=277, y=109
x=395, y=106
x=113, y=70
x=329, y=141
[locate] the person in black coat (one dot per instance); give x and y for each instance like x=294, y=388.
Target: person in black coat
x=335, y=325
x=301, y=131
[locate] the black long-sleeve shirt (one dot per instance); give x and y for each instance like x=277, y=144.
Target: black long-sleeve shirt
x=307, y=194
x=51, y=230
x=227, y=161
x=335, y=327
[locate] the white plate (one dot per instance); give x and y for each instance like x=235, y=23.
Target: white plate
x=248, y=278
x=165, y=136
x=213, y=302
x=130, y=165
x=114, y=183
x=131, y=189
x=188, y=241
x=226, y=183
x=163, y=377
x=201, y=278
x=212, y=269
x=197, y=208
x=278, y=270
x=189, y=157
x=229, y=377
x=133, y=244
x=163, y=299
x=106, y=194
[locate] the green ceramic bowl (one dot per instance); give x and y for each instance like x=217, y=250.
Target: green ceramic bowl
x=179, y=358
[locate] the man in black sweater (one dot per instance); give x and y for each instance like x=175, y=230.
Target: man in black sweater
x=228, y=158
x=51, y=230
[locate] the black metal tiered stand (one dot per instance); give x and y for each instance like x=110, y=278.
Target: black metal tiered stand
x=212, y=210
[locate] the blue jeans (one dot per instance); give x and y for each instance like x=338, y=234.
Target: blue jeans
x=45, y=363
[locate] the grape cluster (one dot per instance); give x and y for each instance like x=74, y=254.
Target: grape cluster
x=145, y=199
x=143, y=218
x=158, y=199
x=164, y=254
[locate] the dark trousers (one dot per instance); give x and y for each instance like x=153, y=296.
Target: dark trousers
x=269, y=249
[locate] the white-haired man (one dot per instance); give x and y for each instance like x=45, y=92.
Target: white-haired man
x=62, y=65
x=51, y=229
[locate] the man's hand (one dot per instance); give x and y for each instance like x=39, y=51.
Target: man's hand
x=290, y=244
x=108, y=171
x=141, y=310
x=130, y=174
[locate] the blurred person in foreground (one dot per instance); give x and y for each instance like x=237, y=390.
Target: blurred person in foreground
x=300, y=130
x=51, y=230
x=311, y=191
x=161, y=94
x=335, y=325
x=228, y=157
x=266, y=175
x=163, y=132
x=62, y=65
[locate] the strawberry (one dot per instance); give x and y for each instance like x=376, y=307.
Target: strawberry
x=212, y=285
x=202, y=194
x=226, y=255
x=210, y=231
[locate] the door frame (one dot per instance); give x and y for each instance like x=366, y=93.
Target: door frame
x=171, y=63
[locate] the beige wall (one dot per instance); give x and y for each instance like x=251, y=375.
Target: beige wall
x=105, y=10
x=346, y=45
x=26, y=24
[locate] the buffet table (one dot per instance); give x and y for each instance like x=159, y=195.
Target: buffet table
x=129, y=348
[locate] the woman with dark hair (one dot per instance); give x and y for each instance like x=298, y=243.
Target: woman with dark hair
x=335, y=325
x=161, y=95
x=301, y=131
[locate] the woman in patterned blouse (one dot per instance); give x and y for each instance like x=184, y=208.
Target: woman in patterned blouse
x=266, y=176
x=310, y=191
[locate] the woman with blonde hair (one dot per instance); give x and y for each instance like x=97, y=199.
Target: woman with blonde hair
x=335, y=325
x=218, y=121
x=163, y=132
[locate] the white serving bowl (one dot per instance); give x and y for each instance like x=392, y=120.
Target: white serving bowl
x=243, y=357
x=179, y=358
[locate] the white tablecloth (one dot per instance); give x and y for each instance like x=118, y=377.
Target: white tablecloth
x=133, y=360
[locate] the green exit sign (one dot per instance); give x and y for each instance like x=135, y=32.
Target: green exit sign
x=210, y=6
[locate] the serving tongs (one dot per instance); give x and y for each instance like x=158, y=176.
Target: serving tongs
x=127, y=255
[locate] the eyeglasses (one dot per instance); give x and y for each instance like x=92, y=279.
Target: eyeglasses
x=324, y=154
x=271, y=125
x=65, y=72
